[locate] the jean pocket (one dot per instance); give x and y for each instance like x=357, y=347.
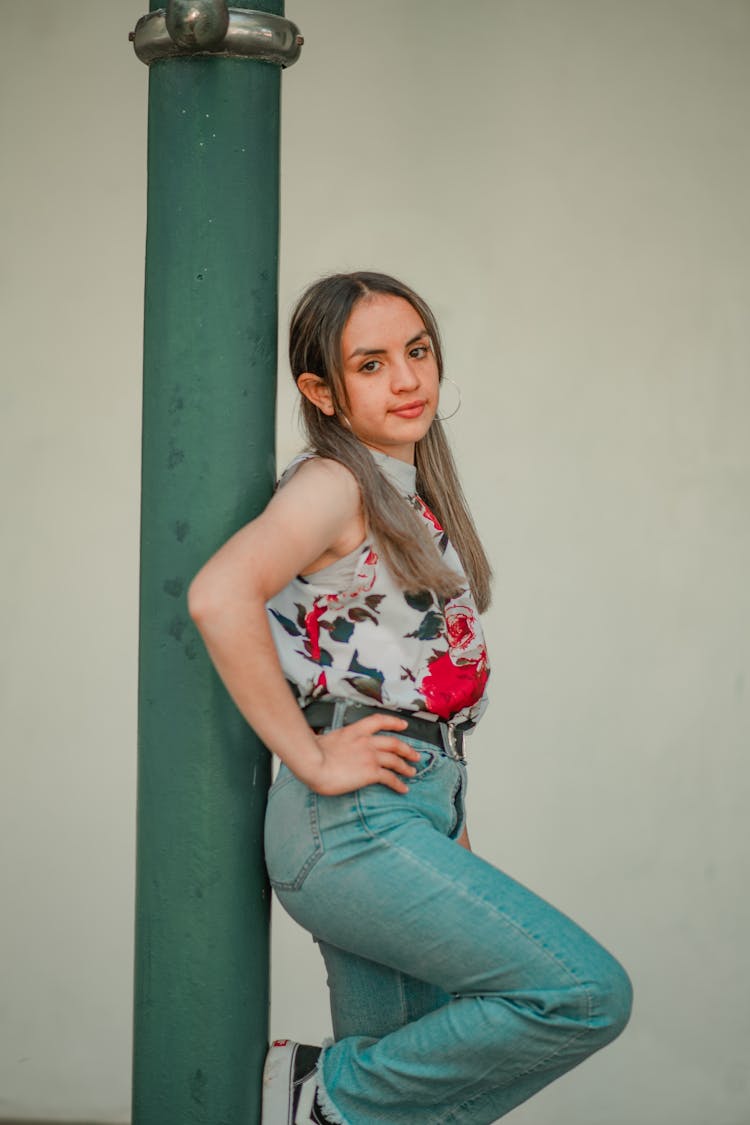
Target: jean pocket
x=293, y=843
x=428, y=758
x=430, y=795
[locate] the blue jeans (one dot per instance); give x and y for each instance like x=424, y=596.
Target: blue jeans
x=456, y=993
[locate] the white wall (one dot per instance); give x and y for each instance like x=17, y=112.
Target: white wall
x=566, y=181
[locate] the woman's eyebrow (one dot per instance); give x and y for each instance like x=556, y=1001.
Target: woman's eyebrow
x=382, y=351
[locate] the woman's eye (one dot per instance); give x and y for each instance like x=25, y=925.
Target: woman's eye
x=419, y=352
x=371, y=366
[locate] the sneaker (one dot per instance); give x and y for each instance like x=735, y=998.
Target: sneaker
x=289, y=1083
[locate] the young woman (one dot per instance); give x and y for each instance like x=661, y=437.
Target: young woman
x=345, y=623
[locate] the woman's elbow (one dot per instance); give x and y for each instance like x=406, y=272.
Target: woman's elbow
x=201, y=599
x=213, y=601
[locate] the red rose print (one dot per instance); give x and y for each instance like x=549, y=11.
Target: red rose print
x=312, y=628
x=428, y=515
x=460, y=625
x=450, y=687
x=366, y=575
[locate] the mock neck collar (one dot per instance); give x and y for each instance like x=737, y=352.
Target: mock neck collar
x=401, y=475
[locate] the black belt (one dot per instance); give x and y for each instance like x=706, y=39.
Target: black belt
x=447, y=736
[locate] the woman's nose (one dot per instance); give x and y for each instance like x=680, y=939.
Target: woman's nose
x=404, y=377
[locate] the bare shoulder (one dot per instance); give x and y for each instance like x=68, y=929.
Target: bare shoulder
x=323, y=498
x=313, y=516
x=321, y=484
x=324, y=472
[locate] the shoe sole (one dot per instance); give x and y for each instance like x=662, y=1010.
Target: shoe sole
x=277, y=1083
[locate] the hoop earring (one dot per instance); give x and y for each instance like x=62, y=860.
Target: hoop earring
x=445, y=417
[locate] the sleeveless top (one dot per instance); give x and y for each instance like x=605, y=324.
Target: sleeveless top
x=349, y=631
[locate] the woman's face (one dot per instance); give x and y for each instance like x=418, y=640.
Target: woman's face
x=390, y=374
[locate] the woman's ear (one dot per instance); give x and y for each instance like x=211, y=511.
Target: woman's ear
x=318, y=392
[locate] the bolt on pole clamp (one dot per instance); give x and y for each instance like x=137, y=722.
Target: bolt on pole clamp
x=210, y=27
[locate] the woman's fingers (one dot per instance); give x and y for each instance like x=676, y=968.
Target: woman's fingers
x=397, y=764
x=391, y=781
x=373, y=723
x=396, y=746
x=367, y=753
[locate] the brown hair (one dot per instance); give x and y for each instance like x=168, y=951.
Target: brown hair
x=315, y=333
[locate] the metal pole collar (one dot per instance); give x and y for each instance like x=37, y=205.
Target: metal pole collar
x=210, y=27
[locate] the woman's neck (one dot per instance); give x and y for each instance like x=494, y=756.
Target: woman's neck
x=402, y=475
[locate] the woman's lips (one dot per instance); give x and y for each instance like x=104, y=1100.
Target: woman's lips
x=410, y=410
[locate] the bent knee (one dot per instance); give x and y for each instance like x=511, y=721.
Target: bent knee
x=611, y=998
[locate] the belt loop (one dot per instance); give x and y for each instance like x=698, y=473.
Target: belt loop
x=452, y=740
x=448, y=745
x=339, y=710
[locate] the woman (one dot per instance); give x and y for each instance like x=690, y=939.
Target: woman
x=344, y=621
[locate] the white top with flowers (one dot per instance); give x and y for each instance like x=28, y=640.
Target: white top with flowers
x=350, y=632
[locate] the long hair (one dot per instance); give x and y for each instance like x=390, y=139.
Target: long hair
x=315, y=333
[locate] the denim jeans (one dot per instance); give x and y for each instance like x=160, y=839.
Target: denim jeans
x=456, y=993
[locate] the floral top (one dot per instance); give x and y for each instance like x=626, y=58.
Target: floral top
x=349, y=631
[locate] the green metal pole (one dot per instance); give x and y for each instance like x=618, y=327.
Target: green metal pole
x=201, y=974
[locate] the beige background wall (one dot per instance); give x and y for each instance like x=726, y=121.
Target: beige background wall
x=567, y=182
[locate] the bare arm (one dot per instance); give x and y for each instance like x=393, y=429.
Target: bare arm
x=227, y=600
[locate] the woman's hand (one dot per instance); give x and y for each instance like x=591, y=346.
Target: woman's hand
x=360, y=754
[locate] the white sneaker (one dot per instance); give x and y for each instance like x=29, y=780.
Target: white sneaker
x=289, y=1083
